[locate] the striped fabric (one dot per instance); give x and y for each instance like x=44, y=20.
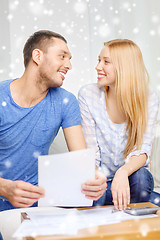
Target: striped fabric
x=107, y=138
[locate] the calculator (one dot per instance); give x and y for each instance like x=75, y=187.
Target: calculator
x=142, y=210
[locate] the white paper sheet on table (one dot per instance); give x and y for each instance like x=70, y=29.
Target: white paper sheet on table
x=104, y=216
x=47, y=222
x=61, y=175
x=30, y=229
x=69, y=221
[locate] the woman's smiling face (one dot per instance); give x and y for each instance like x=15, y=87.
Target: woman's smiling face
x=105, y=69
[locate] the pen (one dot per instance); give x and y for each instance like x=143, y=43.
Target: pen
x=117, y=210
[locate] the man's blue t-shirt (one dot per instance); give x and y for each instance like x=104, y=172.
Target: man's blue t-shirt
x=26, y=133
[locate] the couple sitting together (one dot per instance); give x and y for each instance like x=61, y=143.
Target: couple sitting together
x=116, y=116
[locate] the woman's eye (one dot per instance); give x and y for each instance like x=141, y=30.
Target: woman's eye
x=106, y=62
x=62, y=56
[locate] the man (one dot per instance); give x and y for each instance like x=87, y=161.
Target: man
x=32, y=110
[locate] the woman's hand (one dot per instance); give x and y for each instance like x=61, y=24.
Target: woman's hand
x=94, y=189
x=120, y=189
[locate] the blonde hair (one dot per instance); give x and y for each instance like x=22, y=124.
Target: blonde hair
x=131, y=88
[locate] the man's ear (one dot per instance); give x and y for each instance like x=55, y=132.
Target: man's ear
x=37, y=55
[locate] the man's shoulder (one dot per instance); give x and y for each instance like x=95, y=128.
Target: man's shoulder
x=4, y=86
x=4, y=83
x=61, y=94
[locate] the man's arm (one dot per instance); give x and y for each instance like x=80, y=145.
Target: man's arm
x=93, y=189
x=19, y=193
x=74, y=138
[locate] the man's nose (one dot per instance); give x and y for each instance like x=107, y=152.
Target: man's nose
x=68, y=64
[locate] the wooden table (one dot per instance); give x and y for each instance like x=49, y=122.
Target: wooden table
x=146, y=229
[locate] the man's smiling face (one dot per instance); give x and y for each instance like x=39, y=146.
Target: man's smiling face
x=55, y=64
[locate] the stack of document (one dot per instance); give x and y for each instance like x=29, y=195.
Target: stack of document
x=69, y=221
x=61, y=176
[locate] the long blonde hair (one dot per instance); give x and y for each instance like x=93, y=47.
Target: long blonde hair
x=131, y=88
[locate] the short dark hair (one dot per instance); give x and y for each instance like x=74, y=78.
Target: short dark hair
x=41, y=40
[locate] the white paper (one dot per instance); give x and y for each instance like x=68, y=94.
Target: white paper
x=104, y=216
x=50, y=216
x=31, y=229
x=47, y=221
x=69, y=221
x=61, y=175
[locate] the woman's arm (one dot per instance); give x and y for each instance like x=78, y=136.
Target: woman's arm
x=88, y=125
x=120, y=185
x=92, y=189
x=136, y=159
x=153, y=105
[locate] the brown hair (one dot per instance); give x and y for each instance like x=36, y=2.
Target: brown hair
x=41, y=40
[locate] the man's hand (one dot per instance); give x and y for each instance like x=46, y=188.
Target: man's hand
x=120, y=189
x=22, y=194
x=94, y=189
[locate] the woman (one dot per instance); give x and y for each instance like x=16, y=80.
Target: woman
x=118, y=118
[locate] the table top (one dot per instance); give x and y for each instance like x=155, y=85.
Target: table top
x=146, y=229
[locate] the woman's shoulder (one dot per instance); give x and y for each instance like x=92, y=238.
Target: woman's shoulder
x=91, y=88
x=154, y=97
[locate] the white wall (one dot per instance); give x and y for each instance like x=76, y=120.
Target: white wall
x=86, y=24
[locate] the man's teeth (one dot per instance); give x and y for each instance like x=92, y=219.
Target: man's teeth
x=63, y=74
